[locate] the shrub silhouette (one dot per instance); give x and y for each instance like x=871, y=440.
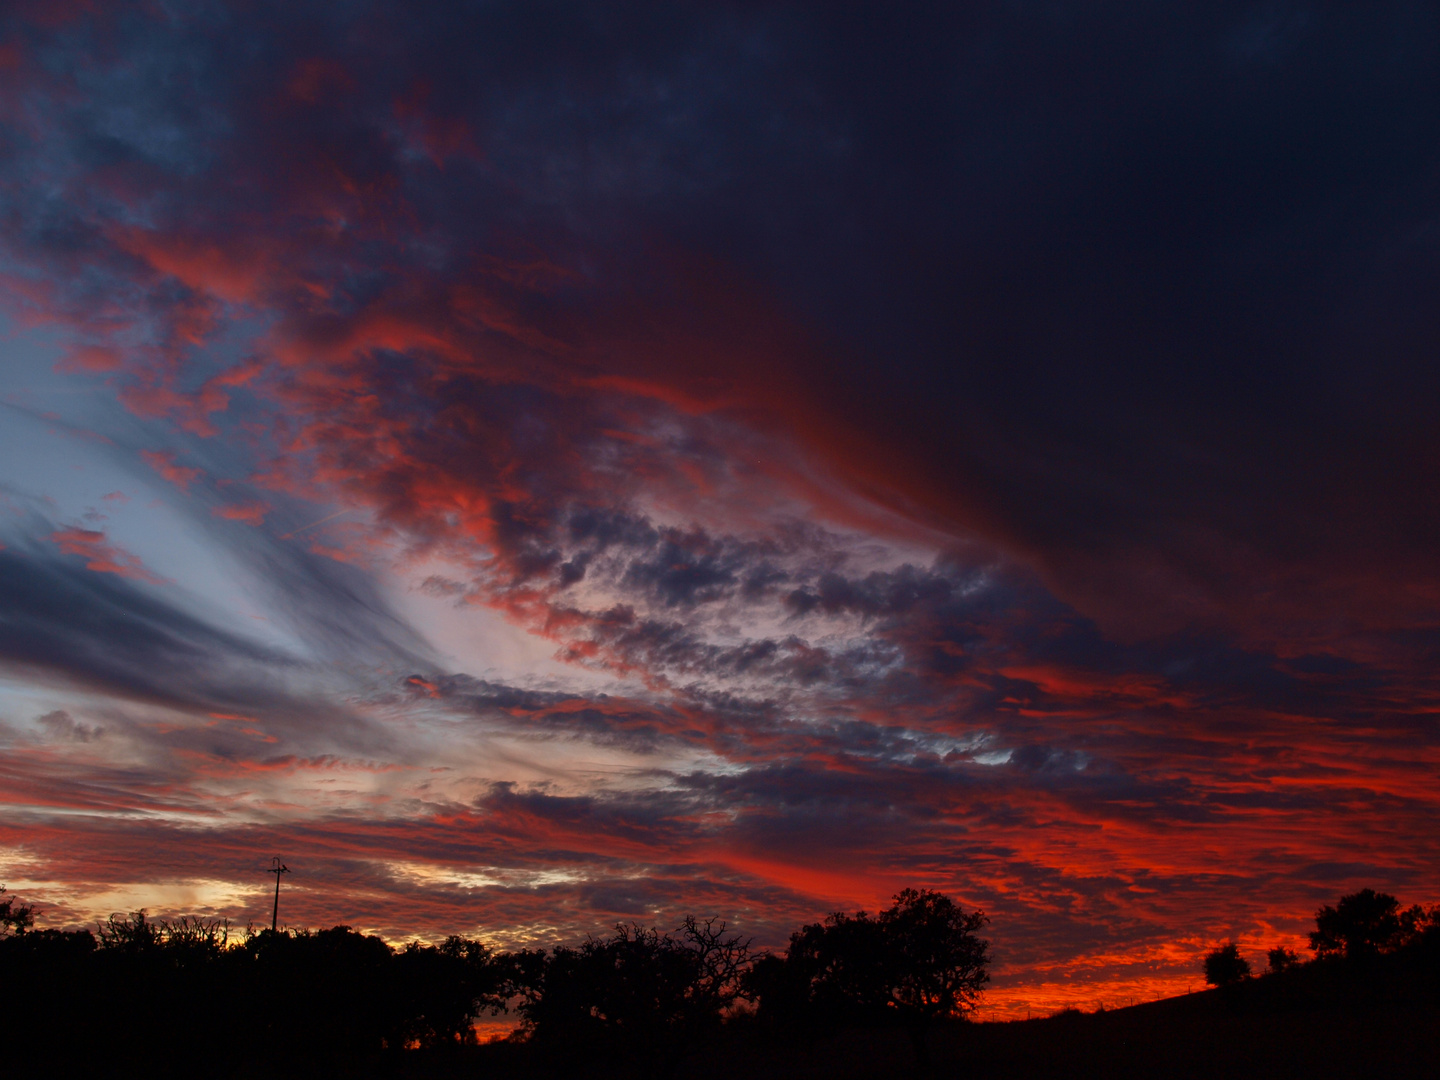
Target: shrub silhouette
x=1224, y=966
x=134, y=934
x=1280, y=959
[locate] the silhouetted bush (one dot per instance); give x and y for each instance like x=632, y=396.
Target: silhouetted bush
x=1280, y=959
x=1224, y=966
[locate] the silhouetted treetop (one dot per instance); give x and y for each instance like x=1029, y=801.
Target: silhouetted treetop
x=1281, y=959
x=941, y=965
x=134, y=933
x=918, y=960
x=1361, y=924
x=637, y=984
x=1224, y=966
x=15, y=917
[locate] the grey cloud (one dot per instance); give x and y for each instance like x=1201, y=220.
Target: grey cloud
x=61, y=726
x=103, y=631
x=84, y=630
x=879, y=593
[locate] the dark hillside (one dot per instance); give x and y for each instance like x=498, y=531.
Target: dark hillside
x=1379, y=1017
x=1202, y=1039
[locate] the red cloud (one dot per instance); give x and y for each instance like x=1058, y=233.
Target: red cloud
x=163, y=462
x=428, y=688
x=101, y=555
x=223, y=269
x=90, y=358
x=251, y=513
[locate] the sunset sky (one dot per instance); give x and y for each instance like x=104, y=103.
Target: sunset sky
x=533, y=465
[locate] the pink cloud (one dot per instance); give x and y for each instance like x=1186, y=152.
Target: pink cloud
x=251, y=513
x=163, y=462
x=102, y=556
x=90, y=358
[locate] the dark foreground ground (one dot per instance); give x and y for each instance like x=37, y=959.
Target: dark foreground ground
x=1318, y=1022
x=1196, y=1040
x=1178, y=1039
x=1324, y=1020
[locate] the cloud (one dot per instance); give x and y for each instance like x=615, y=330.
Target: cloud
x=104, y=632
x=251, y=513
x=163, y=462
x=102, y=556
x=59, y=724
x=82, y=632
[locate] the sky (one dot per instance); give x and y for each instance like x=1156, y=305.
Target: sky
x=538, y=465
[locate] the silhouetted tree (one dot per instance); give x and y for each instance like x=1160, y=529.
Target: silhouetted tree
x=15, y=917
x=133, y=933
x=53, y=995
x=1281, y=959
x=326, y=992
x=1362, y=924
x=639, y=992
x=720, y=961
x=442, y=989
x=940, y=963
x=918, y=961
x=1224, y=966
x=1417, y=924
x=841, y=969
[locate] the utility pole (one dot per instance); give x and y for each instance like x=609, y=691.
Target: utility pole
x=277, y=868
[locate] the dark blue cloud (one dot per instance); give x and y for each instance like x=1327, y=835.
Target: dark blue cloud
x=108, y=633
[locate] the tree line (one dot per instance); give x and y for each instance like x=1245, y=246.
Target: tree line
x=1360, y=928
x=187, y=996
x=150, y=993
